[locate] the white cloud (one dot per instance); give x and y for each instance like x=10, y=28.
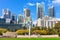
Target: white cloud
x=30, y=4
x=56, y=1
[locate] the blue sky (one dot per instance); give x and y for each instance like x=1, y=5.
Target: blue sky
x=17, y=6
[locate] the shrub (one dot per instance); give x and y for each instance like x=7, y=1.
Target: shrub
x=2, y=30
x=43, y=32
x=22, y=32
x=35, y=32
x=59, y=34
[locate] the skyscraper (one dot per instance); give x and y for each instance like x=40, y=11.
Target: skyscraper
x=27, y=18
x=51, y=11
x=13, y=17
x=6, y=13
x=40, y=10
x=26, y=12
x=20, y=19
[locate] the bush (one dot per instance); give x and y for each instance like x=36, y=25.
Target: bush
x=22, y=32
x=0, y=33
x=52, y=31
x=2, y=30
x=36, y=32
x=41, y=32
x=59, y=34
x=19, y=32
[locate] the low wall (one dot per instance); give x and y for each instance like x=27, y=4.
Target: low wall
x=35, y=36
x=49, y=36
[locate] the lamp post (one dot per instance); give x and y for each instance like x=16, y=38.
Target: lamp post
x=29, y=28
x=29, y=31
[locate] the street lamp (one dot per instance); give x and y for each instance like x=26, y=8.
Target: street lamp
x=29, y=24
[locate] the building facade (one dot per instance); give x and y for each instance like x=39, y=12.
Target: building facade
x=51, y=11
x=26, y=12
x=20, y=19
x=47, y=22
x=27, y=18
x=7, y=13
x=40, y=10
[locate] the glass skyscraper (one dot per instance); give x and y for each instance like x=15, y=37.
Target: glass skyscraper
x=51, y=11
x=6, y=13
x=40, y=10
x=26, y=12
x=20, y=19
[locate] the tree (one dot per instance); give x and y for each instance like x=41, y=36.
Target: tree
x=52, y=31
x=35, y=32
x=43, y=28
x=2, y=30
x=43, y=32
x=57, y=27
x=35, y=28
x=24, y=27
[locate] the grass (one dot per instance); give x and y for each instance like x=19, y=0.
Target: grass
x=29, y=38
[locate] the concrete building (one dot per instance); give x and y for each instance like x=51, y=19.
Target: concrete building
x=27, y=18
x=7, y=13
x=26, y=12
x=51, y=11
x=47, y=22
x=20, y=19
x=40, y=10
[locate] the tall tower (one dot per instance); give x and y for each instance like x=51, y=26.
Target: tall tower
x=40, y=10
x=7, y=13
x=51, y=11
x=27, y=18
x=20, y=19
x=26, y=12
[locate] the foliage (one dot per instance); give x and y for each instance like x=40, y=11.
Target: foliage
x=59, y=34
x=57, y=28
x=41, y=32
x=22, y=32
x=36, y=28
x=24, y=27
x=52, y=31
x=2, y=30
x=35, y=32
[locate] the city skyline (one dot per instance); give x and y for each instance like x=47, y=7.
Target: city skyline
x=17, y=6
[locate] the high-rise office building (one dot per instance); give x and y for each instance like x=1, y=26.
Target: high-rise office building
x=13, y=17
x=6, y=13
x=51, y=11
x=26, y=12
x=40, y=10
x=20, y=19
x=27, y=18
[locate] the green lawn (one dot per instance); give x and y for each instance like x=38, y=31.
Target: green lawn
x=29, y=38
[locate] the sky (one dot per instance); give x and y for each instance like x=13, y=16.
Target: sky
x=17, y=6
